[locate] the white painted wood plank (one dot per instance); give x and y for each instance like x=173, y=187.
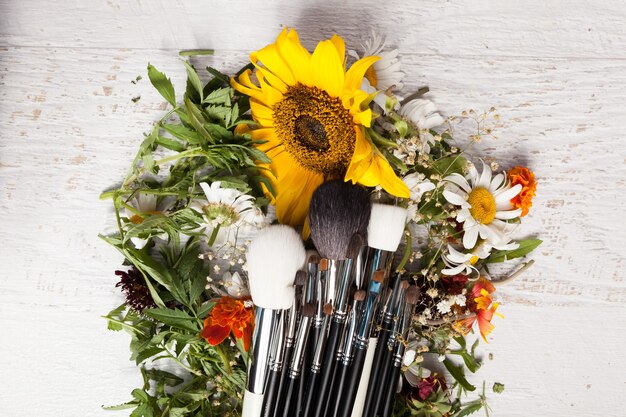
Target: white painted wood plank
x=564, y=28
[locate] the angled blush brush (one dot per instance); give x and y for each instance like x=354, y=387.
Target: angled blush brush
x=273, y=258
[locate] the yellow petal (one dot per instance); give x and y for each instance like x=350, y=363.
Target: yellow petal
x=328, y=69
x=293, y=195
x=274, y=62
x=355, y=74
x=296, y=56
x=340, y=46
x=244, y=85
x=261, y=113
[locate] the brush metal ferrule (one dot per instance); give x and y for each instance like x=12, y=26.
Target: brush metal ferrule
x=298, y=354
x=277, y=355
x=264, y=323
x=349, y=341
x=369, y=312
x=320, y=297
x=393, y=302
x=292, y=323
x=335, y=269
x=310, y=287
x=318, y=354
x=346, y=278
x=404, y=327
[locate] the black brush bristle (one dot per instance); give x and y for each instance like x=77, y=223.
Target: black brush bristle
x=338, y=210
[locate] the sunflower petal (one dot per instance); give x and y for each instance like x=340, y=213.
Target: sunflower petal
x=328, y=74
x=355, y=74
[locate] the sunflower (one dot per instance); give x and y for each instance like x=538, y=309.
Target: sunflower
x=311, y=115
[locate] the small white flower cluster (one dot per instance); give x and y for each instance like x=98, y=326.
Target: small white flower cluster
x=445, y=305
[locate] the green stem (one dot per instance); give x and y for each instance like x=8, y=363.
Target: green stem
x=407, y=249
x=379, y=140
x=225, y=360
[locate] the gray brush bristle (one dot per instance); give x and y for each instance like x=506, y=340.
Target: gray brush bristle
x=338, y=210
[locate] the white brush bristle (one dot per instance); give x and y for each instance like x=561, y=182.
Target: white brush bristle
x=386, y=226
x=273, y=259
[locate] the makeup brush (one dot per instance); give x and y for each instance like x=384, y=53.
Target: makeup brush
x=290, y=404
x=311, y=397
x=345, y=368
x=273, y=258
x=276, y=365
x=410, y=299
x=387, y=338
x=338, y=211
x=355, y=386
x=385, y=230
x=278, y=368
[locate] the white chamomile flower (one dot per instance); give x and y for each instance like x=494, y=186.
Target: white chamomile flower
x=234, y=284
x=145, y=204
x=418, y=185
x=384, y=73
x=443, y=306
x=230, y=211
x=422, y=113
x=415, y=371
x=484, y=202
x=463, y=263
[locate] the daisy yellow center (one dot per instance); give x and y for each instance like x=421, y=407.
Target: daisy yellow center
x=220, y=214
x=483, y=204
x=315, y=129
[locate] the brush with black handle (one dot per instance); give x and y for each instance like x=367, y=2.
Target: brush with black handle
x=273, y=258
x=387, y=339
x=384, y=233
x=338, y=212
x=289, y=403
x=344, y=367
x=410, y=299
x=281, y=355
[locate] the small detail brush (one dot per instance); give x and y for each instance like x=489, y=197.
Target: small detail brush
x=385, y=230
x=273, y=258
x=410, y=299
x=290, y=405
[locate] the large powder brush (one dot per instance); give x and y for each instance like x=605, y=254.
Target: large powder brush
x=337, y=211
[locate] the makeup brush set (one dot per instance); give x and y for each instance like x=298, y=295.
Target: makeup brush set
x=331, y=324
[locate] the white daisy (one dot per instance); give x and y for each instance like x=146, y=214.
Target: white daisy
x=385, y=73
x=145, y=204
x=422, y=113
x=418, y=185
x=228, y=214
x=463, y=263
x=485, y=202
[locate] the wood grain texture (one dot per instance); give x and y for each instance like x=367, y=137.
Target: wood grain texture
x=68, y=130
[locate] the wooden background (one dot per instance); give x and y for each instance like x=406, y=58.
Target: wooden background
x=555, y=70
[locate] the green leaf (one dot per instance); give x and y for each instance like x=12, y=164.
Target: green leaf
x=197, y=120
x=205, y=308
x=123, y=406
x=458, y=374
x=193, y=78
x=169, y=378
x=170, y=144
x=220, y=96
x=450, y=164
x=182, y=133
x=525, y=247
x=147, y=353
x=470, y=408
x=162, y=84
x=173, y=317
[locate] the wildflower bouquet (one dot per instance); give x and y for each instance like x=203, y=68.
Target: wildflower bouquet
x=237, y=154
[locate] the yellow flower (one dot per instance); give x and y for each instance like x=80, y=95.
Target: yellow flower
x=311, y=116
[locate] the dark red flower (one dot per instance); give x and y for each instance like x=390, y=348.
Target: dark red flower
x=428, y=386
x=135, y=289
x=455, y=284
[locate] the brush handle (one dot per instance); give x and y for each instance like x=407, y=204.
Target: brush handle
x=312, y=395
x=359, y=401
x=387, y=408
x=383, y=381
x=282, y=386
x=252, y=404
x=375, y=376
x=291, y=397
x=271, y=393
x=348, y=384
x=328, y=367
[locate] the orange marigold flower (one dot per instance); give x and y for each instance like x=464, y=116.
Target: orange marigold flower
x=525, y=177
x=484, y=308
x=229, y=315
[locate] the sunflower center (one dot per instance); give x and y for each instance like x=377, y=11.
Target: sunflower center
x=483, y=205
x=311, y=133
x=220, y=214
x=315, y=129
